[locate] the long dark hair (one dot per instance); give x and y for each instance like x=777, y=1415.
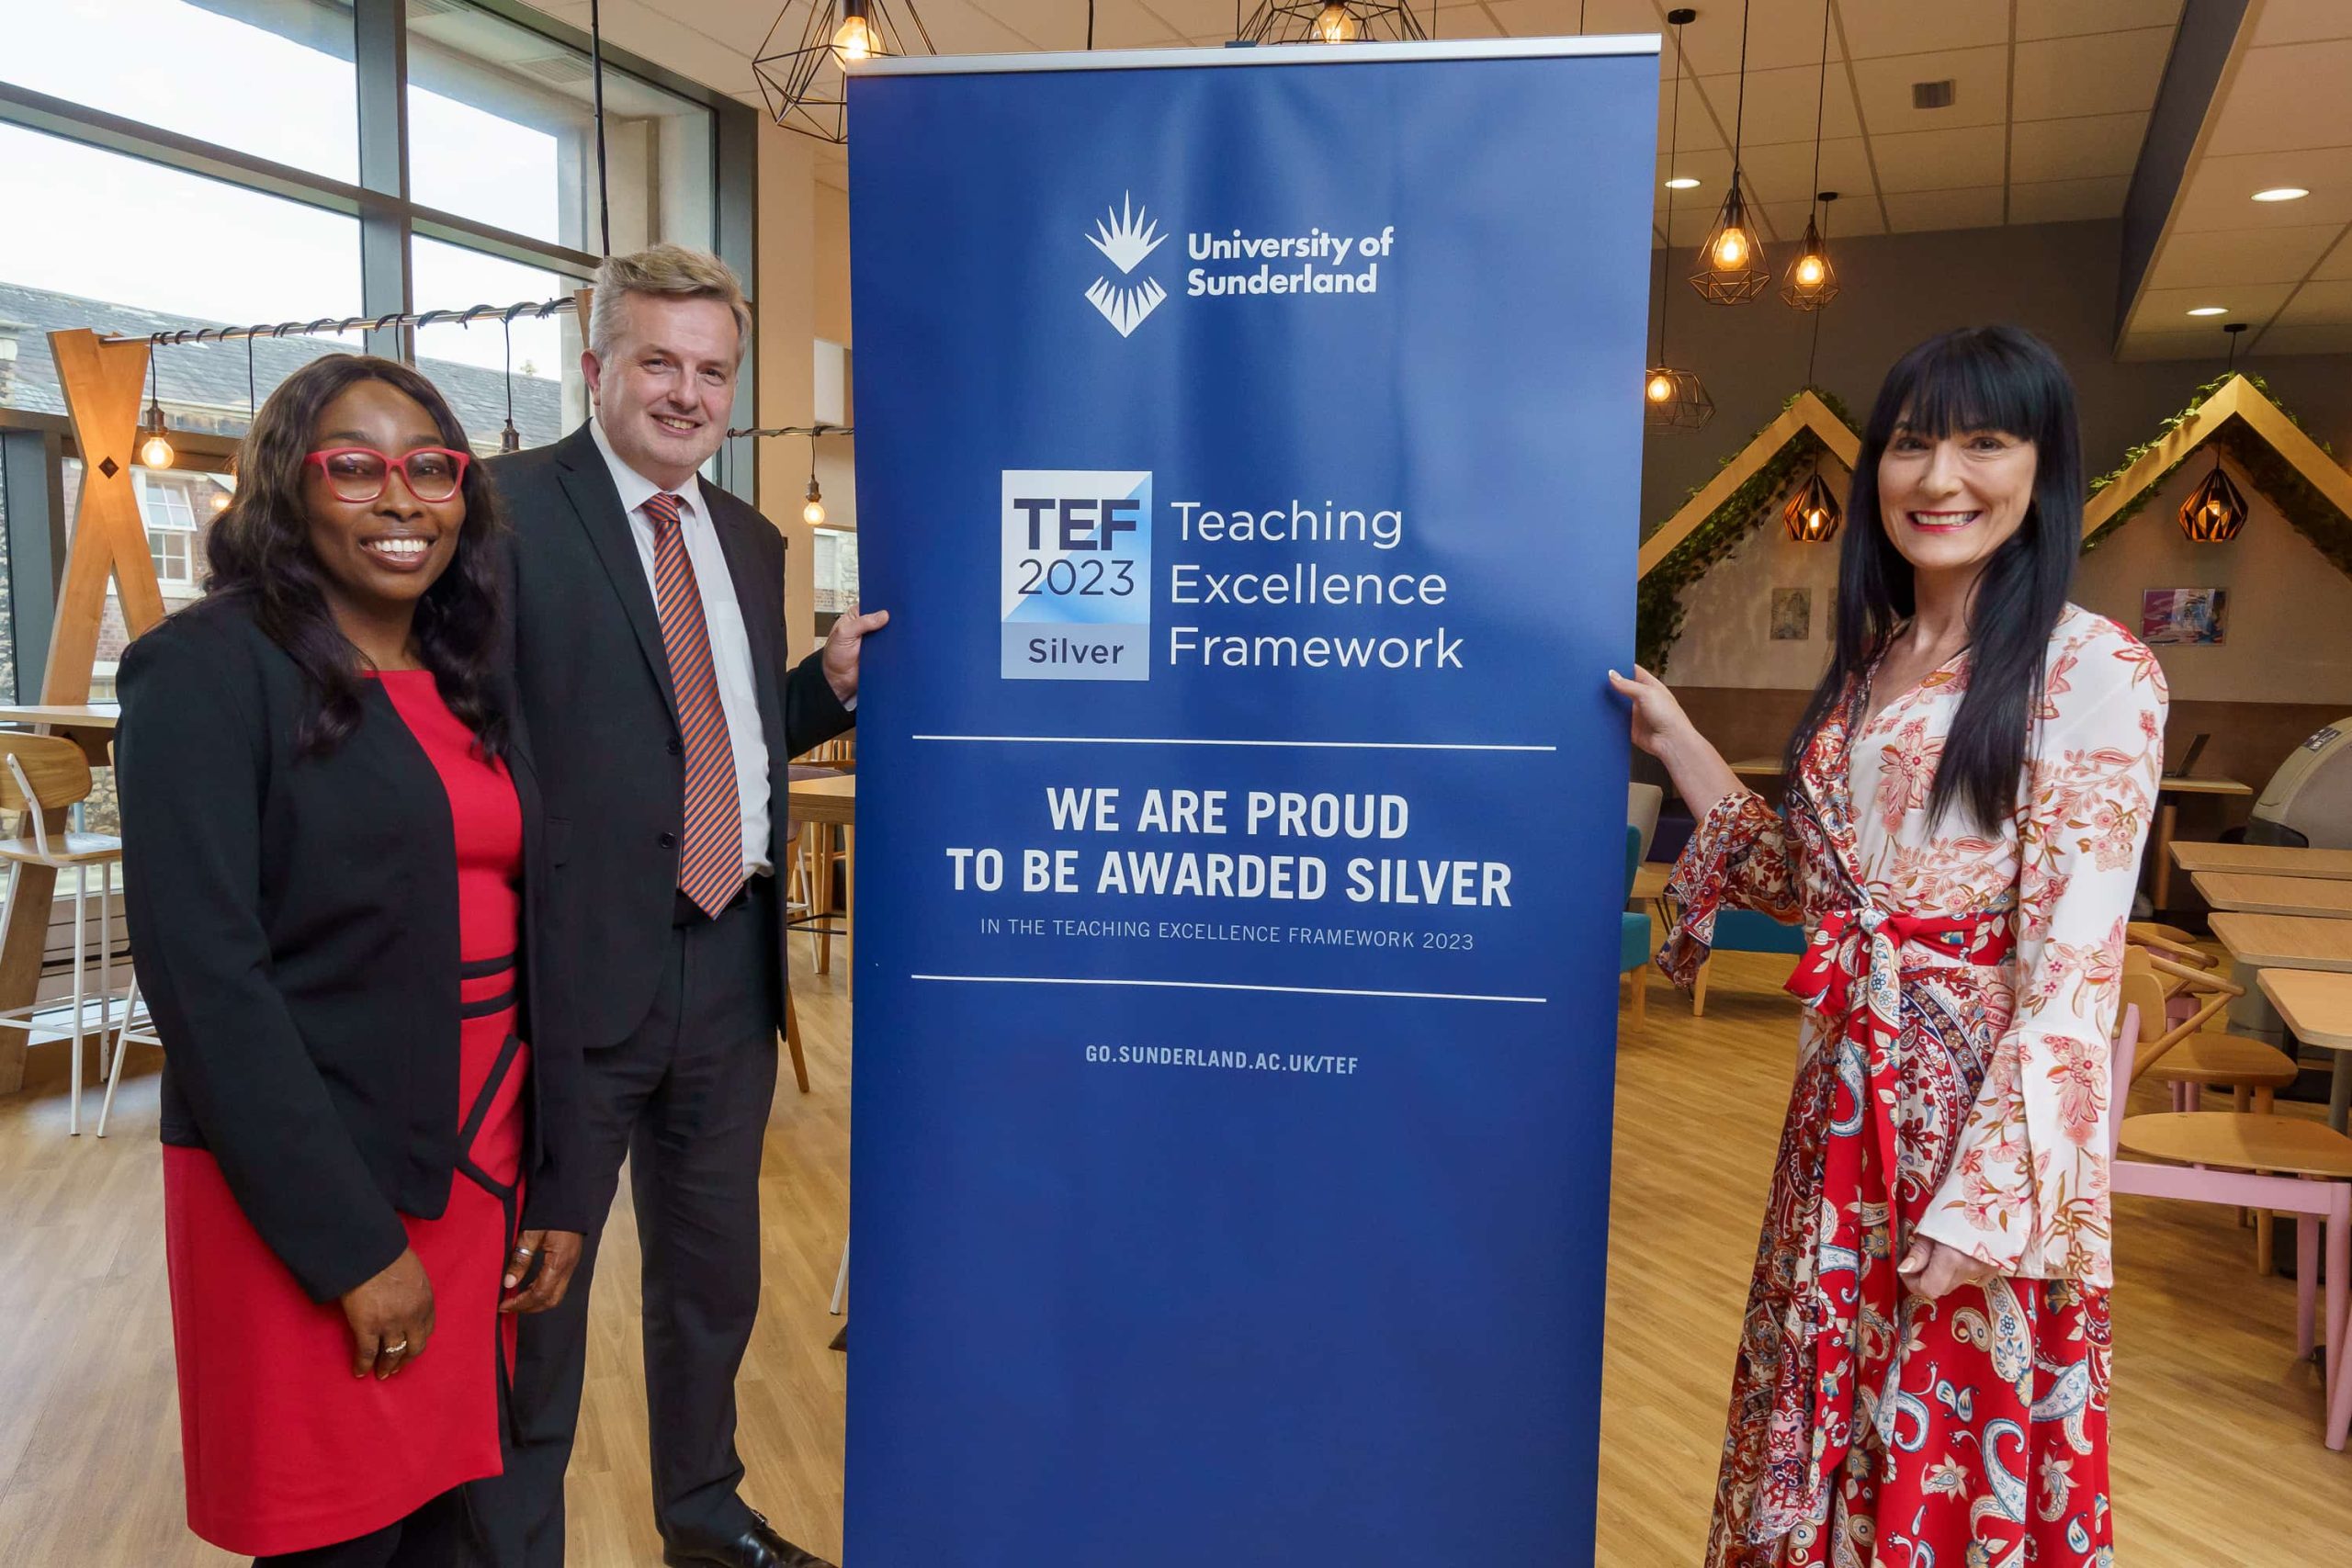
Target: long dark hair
x=260, y=551
x=2001, y=379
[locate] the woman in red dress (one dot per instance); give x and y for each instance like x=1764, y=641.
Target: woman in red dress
x=332, y=843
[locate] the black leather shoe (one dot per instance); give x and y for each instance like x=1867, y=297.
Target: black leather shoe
x=758, y=1547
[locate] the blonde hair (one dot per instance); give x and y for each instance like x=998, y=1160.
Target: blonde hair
x=664, y=269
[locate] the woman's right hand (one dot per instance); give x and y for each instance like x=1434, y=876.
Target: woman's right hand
x=391, y=1318
x=1659, y=719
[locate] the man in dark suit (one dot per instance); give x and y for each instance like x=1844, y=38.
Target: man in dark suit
x=663, y=704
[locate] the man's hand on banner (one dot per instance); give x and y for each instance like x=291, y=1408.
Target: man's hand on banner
x=841, y=649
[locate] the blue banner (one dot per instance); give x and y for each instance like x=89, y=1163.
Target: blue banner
x=1248, y=451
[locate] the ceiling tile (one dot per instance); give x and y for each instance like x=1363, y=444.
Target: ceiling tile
x=2110, y=73
x=1781, y=104
x=1939, y=160
x=1785, y=173
x=2166, y=309
x=1704, y=120
x=1780, y=33
x=2338, y=263
x=2068, y=201
x=2079, y=149
x=2221, y=191
x=1980, y=89
x=2215, y=258
x=1709, y=166
x=1976, y=207
x=2301, y=22
x=2066, y=18
x=2316, y=304
x=2281, y=99
x=1873, y=29
x=1848, y=219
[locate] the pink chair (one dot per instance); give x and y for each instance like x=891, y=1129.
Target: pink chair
x=2245, y=1160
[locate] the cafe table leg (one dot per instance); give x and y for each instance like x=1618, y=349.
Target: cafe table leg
x=2167, y=817
x=2340, y=1092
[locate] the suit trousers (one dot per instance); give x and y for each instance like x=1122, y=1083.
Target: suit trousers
x=685, y=1097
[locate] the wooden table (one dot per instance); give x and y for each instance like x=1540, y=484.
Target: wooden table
x=1759, y=768
x=2169, y=819
x=2286, y=942
x=24, y=927
x=2265, y=860
x=2259, y=894
x=2318, y=1006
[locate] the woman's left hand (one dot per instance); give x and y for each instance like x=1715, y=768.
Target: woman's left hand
x=1933, y=1270
x=557, y=1254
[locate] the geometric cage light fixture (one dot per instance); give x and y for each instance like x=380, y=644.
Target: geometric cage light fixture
x=1811, y=281
x=1673, y=401
x=2215, y=510
x=1812, y=514
x=1334, y=21
x=804, y=85
x=1731, y=263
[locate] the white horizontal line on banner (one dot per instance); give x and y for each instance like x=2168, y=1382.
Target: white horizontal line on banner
x=1223, y=986
x=1361, y=52
x=1195, y=740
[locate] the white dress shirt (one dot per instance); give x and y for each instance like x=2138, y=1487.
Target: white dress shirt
x=722, y=618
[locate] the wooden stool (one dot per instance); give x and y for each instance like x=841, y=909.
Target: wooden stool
x=43, y=776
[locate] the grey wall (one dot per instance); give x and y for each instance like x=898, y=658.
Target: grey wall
x=2056, y=279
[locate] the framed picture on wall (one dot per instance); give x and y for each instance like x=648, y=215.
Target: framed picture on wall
x=1791, y=615
x=2175, y=618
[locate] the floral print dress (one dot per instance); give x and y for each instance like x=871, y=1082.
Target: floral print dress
x=1960, y=985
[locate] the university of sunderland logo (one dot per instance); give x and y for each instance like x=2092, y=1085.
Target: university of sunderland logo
x=1126, y=234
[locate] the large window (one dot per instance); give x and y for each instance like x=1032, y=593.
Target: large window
x=502, y=128
x=195, y=69
x=484, y=366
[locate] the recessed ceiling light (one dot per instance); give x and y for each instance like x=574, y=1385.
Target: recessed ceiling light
x=2211, y=311
x=1682, y=182
x=2281, y=193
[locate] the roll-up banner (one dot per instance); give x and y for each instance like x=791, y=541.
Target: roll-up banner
x=1247, y=452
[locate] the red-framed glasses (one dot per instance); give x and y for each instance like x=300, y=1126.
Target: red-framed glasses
x=358, y=474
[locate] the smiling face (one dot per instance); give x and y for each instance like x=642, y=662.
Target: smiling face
x=377, y=556
x=1947, y=502
x=666, y=383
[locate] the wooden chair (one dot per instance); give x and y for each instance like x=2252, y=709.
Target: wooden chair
x=43, y=777
x=2247, y=1160
x=841, y=751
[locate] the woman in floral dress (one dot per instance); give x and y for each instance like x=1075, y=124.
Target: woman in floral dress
x=1923, y=1366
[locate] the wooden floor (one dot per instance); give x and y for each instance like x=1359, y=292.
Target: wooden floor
x=2218, y=1457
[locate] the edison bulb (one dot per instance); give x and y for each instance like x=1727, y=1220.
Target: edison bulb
x=1814, y=520
x=155, y=451
x=853, y=39
x=1660, y=387
x=218, y=501
x=1810, y=272
x=1336, y=24
x=1731, y=251
x=814, y=512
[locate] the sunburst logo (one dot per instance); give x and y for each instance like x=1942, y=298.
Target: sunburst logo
x=1126, y=234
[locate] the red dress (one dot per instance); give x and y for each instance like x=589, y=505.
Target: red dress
x=285, y=1450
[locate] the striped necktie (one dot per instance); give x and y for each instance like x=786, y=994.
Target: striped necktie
x=711, y=861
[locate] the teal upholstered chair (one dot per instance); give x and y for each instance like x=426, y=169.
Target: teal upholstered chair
x=1744, y=931
x=1633, y=931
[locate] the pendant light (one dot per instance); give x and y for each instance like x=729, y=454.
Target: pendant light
x=803, y=83
x=217, y=500
x=509, y=438
x=2216, y=509
x=1812, y=281
x=1813, y=514
x=154, y=447
x=1334, y=21
x=1731, y=269
x=1673, y=401
x=813, y=513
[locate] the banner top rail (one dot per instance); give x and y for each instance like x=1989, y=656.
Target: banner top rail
x=1259, y=54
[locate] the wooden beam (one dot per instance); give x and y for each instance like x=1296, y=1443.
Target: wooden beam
x=1808, y=413
x=2286, y=438
x=2160, y=460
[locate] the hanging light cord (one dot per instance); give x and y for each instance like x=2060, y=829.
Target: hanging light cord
x=1820, y=97
x=1673, y=172
x=1813, y=352
x=253, y=401
x=1739, y=116
x=597, y=68
x=1089, y=44
x=508, y=326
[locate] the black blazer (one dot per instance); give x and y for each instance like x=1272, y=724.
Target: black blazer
x=595, y=691
x=294, y=928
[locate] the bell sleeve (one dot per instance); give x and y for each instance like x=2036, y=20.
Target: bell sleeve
x=1738, y=859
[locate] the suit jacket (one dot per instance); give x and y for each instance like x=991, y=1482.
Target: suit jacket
x=595, y=689
x=294, y=929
